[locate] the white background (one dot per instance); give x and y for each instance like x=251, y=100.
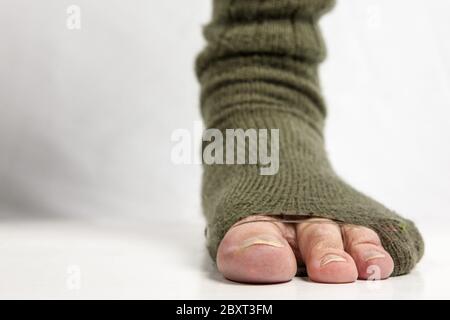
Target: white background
x=86, y=118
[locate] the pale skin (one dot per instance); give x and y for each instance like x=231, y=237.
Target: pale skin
x=269, y=251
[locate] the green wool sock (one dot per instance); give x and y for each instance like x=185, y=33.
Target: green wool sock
x=259, y=71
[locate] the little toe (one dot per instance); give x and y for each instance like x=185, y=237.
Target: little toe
x=364, y=245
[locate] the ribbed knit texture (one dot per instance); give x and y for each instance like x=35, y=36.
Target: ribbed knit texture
x=259, y=70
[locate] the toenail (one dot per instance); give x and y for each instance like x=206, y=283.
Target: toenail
x=371, y=255
x=268, y=240
x=331, y=258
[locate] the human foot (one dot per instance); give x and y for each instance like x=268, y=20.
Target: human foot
x=305, y=186
x=262, y=249
x=259, y=70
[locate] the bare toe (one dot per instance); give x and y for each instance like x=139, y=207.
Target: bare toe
x=256, y=252
x=322, y=249
x=364, y=245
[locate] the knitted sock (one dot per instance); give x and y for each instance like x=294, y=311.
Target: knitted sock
x=259, y=70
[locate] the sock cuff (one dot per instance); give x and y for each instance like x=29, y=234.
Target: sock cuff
x=263, y=54
x=232, y=11
x=282, y=27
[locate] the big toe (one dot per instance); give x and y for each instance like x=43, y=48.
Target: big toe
x=255, y=251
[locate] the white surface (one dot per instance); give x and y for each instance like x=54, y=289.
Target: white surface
x=86, y=118
x=168, y=261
